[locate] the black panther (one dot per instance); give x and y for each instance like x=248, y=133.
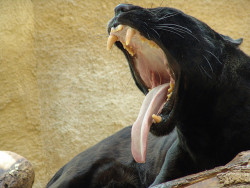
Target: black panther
x=196, y=113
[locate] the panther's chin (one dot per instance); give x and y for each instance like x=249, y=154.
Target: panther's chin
x=153, y=75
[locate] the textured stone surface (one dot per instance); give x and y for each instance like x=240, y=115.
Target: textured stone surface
x=15, y=171
x=60, y=90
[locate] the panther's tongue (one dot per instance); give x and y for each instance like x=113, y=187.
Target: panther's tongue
x=152, y=104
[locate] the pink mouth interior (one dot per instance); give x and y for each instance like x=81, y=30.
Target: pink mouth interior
x=151, y=65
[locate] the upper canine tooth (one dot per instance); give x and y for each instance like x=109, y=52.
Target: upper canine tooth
x=111, y=40
x=129, y=35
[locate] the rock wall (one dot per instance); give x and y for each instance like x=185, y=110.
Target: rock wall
x=60, y=90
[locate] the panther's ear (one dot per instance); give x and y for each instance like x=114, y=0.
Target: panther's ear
x=236, y=42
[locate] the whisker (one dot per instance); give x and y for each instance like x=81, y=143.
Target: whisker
x=208, y=63
x=174, y=28
x=145, y=23
x=177, y=26
x=169, y=15
x=159, y=8
x=169, y=30
x=161, y=3
x=205, y=72
x=127, y=85
x=156, y=32
x=214, y=56
x=145, y=30
x=178, y=29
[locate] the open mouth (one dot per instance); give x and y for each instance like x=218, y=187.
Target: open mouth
x=151, y=71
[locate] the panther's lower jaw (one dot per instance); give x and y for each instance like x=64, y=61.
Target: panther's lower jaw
x=151, y=71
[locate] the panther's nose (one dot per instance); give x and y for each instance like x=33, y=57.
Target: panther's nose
x=124, y=8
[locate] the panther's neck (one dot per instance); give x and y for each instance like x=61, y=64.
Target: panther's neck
x=216, y=102
x=212, y=114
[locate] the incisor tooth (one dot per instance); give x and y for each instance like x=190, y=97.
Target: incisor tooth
x=111, y=40
x=157, y=118
x=169, y=95
x=171, y=87
x=128, y=48
x=150, y=42
x=129, y=35
x=172, y=84
x=119, y=27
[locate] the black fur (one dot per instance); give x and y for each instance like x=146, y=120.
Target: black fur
x=110, y=163
x=210, y=122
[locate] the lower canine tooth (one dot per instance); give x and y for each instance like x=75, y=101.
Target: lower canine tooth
x=129, y=35
x=111, y=40
x=169, y=95
x=156, y=118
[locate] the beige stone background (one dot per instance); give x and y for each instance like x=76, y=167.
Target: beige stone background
x=60, y=90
